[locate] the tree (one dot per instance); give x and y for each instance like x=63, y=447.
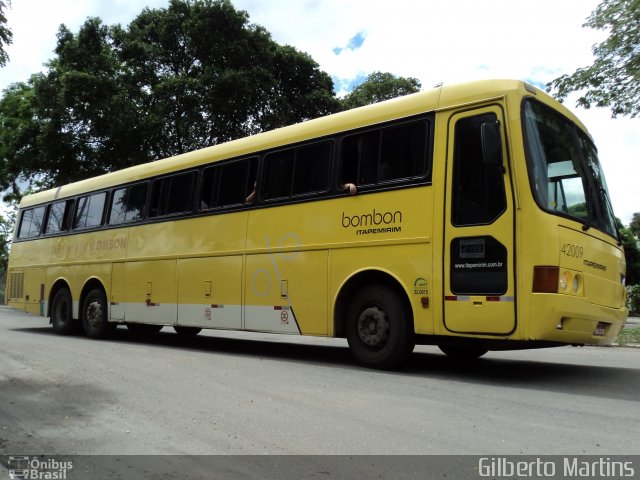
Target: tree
x=203, y=75
x=631, y=254
x=72, y=122
x=6, y=230
x=613, y=80
x=176, y=79
x=634, y=226
x=378, y=87
x=6, y=37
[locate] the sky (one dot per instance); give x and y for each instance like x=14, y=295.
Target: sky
x=435, y=41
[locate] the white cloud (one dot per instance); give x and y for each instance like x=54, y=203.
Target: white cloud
x=432, y=40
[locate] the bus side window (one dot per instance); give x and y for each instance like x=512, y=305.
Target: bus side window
x=172, y=195
x=312, y=168
x=228, y=184
x=59, y=218
x=368, y=153
x=181, y=192
x=90, y=210
x=31, y=222
x=478, y=187
x=128, y=204
x=298, y=171
x=385, y=154
x=403, y=151
x=209, y=187
x=236, y=183
x=279, y=174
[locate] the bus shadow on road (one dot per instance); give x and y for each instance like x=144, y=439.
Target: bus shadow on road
x=579, y=379
x=592, y=380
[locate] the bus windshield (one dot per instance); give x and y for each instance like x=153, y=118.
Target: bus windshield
x=566, y=177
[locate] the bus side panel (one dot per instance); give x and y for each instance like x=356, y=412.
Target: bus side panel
x=150, y=293
x=409, y=265
x=286, y=292
x=26, y=277
x=210, y=292
x=34, y=287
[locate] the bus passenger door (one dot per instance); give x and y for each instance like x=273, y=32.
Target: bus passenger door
x=478, y=271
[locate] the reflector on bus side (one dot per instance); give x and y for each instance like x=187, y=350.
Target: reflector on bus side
x=545, y=279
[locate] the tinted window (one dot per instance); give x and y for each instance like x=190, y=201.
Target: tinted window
x=90, y=210
x=128, y=204
x=478, y=188
x=311, y=172
x=279, y=173
x=235, y=181
x=402, y=152
x=385, y=154
x=297, y=171
x=172, y=195
x=31, y=223
x=228, y=184
x=59, y=217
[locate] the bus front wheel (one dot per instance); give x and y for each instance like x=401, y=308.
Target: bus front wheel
x=94, y=315
x=379, y=328
x=61, y=312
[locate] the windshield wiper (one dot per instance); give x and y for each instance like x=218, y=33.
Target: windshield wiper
x=588, y=221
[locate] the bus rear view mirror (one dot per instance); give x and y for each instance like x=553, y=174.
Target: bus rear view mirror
x=491, y=144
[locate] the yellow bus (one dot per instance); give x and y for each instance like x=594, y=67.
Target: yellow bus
x=474, y=217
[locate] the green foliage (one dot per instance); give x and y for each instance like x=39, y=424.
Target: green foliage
x=6, y=37
x=6, y=230
x=633, y=299
x=614, y=78
x=176, y=79
x=634, y=226
x=629, y=337
x=631, y=254
x=203, y=75
x=579, y=210
x=378, y=87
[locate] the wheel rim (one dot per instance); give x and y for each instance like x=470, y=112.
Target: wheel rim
x=94, y=315
x=373, y=327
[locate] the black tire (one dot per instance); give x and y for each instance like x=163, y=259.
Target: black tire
x=143, y=328
x=62, y=313
x=95, y=315
x=379, y=328
x=462, y=353
x=187, y=331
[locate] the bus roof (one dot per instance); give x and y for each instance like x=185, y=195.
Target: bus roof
x=439, y=98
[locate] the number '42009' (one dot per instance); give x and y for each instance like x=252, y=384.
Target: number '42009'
x=571, y=250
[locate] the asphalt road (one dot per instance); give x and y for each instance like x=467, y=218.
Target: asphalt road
x=236, y=393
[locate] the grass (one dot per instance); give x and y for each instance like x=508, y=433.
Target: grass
x=629, y=337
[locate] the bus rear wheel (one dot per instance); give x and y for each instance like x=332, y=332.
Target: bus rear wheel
x=61, y=312
x=379, y=328
x=94, y=315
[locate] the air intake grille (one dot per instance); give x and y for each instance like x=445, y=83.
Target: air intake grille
x=16, y=285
